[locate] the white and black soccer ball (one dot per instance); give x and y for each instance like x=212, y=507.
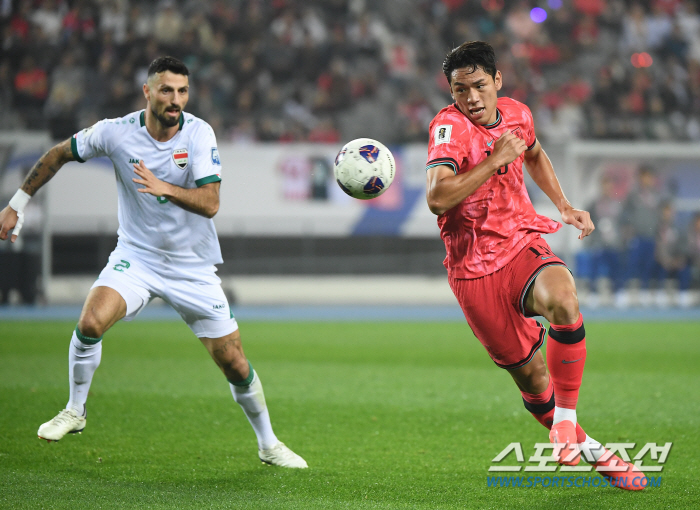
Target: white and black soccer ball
x=364, y=168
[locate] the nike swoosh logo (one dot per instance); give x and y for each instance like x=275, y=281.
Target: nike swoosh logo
x=545, y=258
x=564, y=361
x=489, y=144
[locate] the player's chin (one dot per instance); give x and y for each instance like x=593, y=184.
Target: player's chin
x=169, y=120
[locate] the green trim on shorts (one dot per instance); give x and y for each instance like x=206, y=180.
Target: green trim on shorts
x=247, y=380
x=86, y=339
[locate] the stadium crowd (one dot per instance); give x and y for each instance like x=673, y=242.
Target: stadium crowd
x=642, y=254
x=325, y=70
x=331, y=70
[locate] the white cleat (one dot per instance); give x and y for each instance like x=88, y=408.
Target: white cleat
x=280, y=455
x=67, y=421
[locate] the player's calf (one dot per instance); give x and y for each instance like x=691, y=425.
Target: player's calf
x=566, y=358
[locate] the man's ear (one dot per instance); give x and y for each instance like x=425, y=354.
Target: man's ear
x=498, y=80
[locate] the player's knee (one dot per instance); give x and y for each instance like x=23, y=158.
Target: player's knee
x=563, y=306
x=90, y=326
x=236, y=369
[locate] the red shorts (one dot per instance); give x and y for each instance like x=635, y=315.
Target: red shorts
x=494, y=306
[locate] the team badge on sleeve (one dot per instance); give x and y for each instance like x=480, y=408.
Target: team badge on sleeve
x=215, y=156
x=181, y=158
x=443, y=134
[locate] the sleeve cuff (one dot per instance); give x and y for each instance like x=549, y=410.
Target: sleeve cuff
x=443, y=161
x=207, y=180
x=74, y=149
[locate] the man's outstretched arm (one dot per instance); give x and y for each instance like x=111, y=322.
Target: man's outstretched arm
x=203, y=200
x=12, y=216
x=542, y=172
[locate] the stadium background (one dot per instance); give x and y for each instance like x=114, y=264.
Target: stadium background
x=370, y=371
x=285, y=83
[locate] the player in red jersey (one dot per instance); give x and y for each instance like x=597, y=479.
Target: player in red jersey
x=499, y=267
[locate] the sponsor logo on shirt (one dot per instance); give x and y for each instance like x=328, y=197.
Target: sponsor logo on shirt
x=443, y=134
x=215, y=156
x=181, y=158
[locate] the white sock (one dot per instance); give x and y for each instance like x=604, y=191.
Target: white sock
x=251, y=398
x=83, y=360
x=591, y=450
x=562, y=413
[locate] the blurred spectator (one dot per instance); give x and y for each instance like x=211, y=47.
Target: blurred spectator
x=324, y=131
x=635, y=29
x=80, y=20
x=67, y=90
x=693, y=249
x=168, y=25
x=598, y=266
x=641, y=219
x=114, y=18
x=31, y=87
x=140, y=22
x=672, y=268
x=659, y=26
x=49, y=18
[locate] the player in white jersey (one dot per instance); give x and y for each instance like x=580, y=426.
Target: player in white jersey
x=168, y=177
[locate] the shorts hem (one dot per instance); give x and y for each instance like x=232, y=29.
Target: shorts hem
x=210, y=328
x=533, y=351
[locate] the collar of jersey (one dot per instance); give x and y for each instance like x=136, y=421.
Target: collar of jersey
x=496, y=123
x=142, y=119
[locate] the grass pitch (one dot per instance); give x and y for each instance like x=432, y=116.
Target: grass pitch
x=388, y=415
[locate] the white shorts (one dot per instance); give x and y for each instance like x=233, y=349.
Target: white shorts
x=201, y=304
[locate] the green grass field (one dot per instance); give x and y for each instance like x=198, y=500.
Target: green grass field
x=388, y=415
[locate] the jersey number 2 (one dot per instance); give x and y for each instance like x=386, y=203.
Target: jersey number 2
x=500, y=171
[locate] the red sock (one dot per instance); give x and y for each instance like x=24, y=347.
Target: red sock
x=566, y=357
x=542, y=409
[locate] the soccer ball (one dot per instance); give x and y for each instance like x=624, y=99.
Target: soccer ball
x=364, y=168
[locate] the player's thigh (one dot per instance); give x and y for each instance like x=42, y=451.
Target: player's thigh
x=103, y=307
x=553, y=295
x=121, y=291
x=202, y=305
x=129, y=277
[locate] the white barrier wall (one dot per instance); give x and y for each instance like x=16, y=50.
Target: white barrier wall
x=289, y=190
x=267, y=189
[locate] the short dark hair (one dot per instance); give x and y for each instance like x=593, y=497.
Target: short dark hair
x=162, y=64
x=471, y=55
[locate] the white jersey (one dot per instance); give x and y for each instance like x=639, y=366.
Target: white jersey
x=157, y=231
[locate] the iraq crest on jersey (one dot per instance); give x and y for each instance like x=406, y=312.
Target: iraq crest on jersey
x=181, y=158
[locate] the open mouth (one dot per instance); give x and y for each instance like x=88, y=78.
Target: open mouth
x=477, y=112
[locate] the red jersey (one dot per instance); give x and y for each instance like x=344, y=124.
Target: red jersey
x=488, y=228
